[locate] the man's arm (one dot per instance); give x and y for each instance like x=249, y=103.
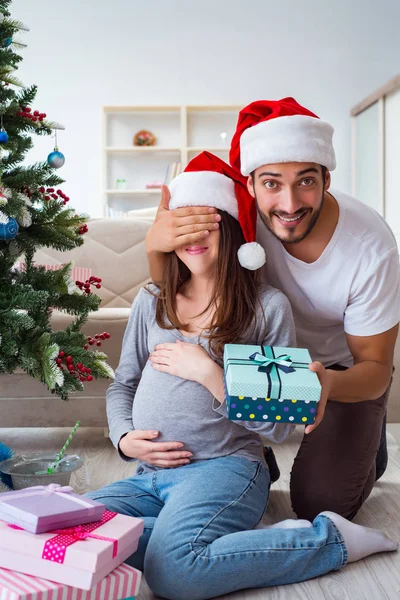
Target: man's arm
x=371, y=326
x=367, y=379
x=370, y=376
x=176, y=228
x=373, y=310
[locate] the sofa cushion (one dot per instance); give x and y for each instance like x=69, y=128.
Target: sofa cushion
x=114, y=250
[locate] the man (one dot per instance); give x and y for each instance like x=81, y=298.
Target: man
x=337, y=262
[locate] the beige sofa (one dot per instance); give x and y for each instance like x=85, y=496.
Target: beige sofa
x=114, y=249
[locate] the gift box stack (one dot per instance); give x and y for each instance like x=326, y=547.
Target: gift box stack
x=56, y=544
x=272, y=384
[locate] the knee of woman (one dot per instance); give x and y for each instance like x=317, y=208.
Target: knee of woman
x=165, y=575
x=113, y=504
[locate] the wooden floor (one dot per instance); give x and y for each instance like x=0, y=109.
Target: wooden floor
x=376, y=578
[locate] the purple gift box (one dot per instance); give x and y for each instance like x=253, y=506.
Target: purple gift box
x=44, y=508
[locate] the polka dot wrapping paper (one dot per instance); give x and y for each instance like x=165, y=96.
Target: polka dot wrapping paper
x=271, y=384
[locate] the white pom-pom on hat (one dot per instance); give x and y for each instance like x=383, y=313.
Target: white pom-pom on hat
x=251, y=256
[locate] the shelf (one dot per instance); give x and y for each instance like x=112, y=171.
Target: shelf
x=211, y=149
x=134, y=149
x=156, y=149
x=181, y=133
x=215, y=108
x=134, y=192
x=140, y=109
x=149, y=109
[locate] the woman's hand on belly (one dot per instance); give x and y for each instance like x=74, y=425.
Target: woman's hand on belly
x=138, y=444
x=182, y=359
x=190, y=362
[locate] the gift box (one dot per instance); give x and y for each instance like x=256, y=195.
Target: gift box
x=43, y=508
x=268, y=383
x=78, y=556
x=122, y=583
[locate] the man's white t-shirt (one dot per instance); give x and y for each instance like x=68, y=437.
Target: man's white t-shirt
x=353, y=287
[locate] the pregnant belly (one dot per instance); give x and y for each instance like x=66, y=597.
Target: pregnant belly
x=180, y=410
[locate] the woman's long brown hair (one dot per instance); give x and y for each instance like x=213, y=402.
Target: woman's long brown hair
x=234, y=296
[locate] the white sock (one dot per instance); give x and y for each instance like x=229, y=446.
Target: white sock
x=361, y=541
x=286, y=524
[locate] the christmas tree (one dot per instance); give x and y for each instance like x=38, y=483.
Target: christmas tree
x=34, y=213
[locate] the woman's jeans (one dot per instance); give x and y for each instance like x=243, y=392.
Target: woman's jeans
x=199, y=541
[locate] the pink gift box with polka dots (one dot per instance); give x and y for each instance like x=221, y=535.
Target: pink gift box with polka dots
x=79, y=556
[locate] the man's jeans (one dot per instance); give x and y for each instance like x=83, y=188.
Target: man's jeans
x=199, y=540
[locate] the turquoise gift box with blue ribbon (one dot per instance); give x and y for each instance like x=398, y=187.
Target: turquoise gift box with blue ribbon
x=268, y=383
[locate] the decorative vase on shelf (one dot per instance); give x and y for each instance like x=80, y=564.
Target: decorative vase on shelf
x=144, y=138
x=223, y=138
x=120, y=184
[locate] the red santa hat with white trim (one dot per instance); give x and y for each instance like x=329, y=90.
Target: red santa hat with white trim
x=209, y=181
x=280, y=131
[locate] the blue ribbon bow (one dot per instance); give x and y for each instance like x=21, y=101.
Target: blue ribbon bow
x=282, y=362
x=266, y=362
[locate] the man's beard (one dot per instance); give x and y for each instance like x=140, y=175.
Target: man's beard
x=291, y=239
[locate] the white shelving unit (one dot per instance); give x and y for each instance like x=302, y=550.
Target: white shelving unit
x=182, y=132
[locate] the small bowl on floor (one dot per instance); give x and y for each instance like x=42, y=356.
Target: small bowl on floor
x=29, y=470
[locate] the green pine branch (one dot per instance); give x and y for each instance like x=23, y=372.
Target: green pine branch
x=29, y=296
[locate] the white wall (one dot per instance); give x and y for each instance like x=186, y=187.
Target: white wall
x=84, y=54
x=392, y=161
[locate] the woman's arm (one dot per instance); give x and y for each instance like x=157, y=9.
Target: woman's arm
x=134, y=355
x=137, y=444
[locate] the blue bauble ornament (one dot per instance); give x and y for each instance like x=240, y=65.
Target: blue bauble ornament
x=5, y=454
x=3, y=136
x=8, y=231
x=56, y=159
x=7, y=42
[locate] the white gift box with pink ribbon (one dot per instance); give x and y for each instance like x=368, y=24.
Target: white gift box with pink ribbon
x=123, y=582
x=78, y=556
x=77, y=273
x=42, y=508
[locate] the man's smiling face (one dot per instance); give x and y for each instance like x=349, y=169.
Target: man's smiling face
x=289, y=197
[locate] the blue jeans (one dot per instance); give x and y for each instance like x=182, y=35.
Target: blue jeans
x=199, y=540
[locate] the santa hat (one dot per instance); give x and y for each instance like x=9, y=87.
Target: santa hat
x=209, y=181
x=280, y=131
